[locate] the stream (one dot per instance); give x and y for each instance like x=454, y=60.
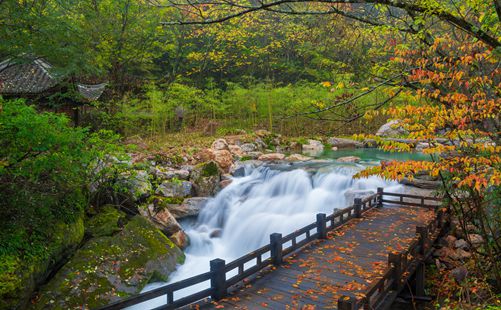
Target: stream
x=268, y=199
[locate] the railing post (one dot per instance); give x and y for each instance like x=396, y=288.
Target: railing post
x=346, y=303
x=276, y=248
x=321, y=226
x=420, y=279
x=395, y=259
x=358, y=207
x=218, y=279
x=380, y=197
x=423, y=236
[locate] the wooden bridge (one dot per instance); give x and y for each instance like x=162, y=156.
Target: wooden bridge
x=363, y=256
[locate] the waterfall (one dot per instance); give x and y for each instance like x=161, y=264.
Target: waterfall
x=266, y=200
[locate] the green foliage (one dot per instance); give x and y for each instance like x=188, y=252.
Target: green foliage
x=44, y=174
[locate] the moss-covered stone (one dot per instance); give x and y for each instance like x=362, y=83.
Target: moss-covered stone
x=20, y=276
x=209, y=169
x=105, y=223
x=108, y=268
x=205, y=178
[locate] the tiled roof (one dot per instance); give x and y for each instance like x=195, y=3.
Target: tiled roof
x=91, y=92
x=25, y=78
x=35, y=78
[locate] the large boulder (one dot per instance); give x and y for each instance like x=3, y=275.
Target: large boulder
x=391, y=129
x=108, y=221
x=297, y=157
x=136, y=184
x=110, y=268
x=248, y=147
x=167, y=173
x=205, y=178
x=313, y=148
x=348, y=159
x=219, y=144
x=342, y=143
x=272, y=156
x=224, y=159
x=20, y=276
x=175, y=188
x=190, y=207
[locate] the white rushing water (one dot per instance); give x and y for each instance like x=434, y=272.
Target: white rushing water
x=242, y=216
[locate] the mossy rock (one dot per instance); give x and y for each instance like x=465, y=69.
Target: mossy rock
x=19, y=277
x=105, y=223
x=205, y=178
x=109, y=268
x=208, y=169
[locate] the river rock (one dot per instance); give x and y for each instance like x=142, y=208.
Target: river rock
x=190, y=207
x=167, y=173
x=342, y=143
x=272, y=156
x=175, y=188
x=297, y=157
x=225, y=183
x=391, y=129
x=420, y=146
x=313, y=145
x=137, y=184
x=161, y=218
x=224, y=159
x=248, y=147
x=180, y=239
x=351, y=194
x=253, y=155
x=348, y=159
x=205, y=178
x=107, y=269
x=236, y=150
x=219, y=144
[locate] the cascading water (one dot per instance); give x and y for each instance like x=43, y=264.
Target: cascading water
x=242, y=216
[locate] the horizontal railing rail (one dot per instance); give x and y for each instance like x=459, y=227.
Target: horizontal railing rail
x=222, y=276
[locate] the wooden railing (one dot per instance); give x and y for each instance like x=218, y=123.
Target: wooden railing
x=268, y=255
x=402, y=265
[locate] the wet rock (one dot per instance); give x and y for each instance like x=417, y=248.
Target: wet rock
x=248, y=147
x=391, y=129
x=237, y=169
x=342, y=143
x=272, y=156
x=225, y=183
x=175, y=188
x=217, y=233
x=297, y=157
x=110, y=268
x=219, y=144
x=180, y=239
x=348, y=159
x=162, y=219
x=334, y=148
x=190, y=207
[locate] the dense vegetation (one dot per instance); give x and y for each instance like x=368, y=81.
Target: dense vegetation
x=301, y=69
